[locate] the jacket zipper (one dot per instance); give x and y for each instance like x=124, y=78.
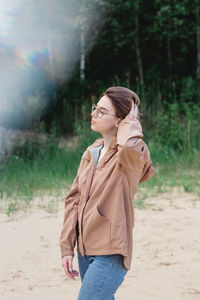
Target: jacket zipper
x=94, y=170
x=87, y=197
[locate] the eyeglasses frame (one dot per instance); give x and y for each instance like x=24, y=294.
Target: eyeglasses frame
x=98, y=110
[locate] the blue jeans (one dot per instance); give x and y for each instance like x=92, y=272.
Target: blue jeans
x=101, y=275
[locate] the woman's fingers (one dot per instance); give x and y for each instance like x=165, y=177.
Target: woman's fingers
x=67, y=271
x=75, y=273
x=66, y=263
x=68, y=267
x=133, y=111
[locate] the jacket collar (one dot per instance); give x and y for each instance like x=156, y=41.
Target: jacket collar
x=100, y=141
x=112, y=147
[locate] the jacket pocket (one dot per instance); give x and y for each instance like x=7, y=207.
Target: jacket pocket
x=96, y=231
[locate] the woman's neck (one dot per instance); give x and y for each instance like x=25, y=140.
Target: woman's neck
x=107, y=140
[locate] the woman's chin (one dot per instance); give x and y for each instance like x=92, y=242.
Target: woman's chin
x=93, y=127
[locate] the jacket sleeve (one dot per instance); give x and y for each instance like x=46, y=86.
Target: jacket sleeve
x=148, y=171
x=132, y=150
x=68, y=234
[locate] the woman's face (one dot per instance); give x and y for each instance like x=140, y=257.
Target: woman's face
x=108, y=123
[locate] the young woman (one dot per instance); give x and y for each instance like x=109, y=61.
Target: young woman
x=98, y=208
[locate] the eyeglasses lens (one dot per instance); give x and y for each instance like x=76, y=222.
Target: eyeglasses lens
x=99, y=112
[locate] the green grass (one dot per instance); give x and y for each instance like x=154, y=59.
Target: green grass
x=174, y=169
x=36, y=169
x=24, y=177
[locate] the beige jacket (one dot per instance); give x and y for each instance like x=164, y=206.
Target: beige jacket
x=99, y=214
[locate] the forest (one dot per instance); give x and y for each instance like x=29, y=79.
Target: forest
x=56, y=60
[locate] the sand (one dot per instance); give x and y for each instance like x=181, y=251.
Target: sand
x=165, y=264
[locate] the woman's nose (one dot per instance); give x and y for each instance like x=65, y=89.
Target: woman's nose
x=94, y=114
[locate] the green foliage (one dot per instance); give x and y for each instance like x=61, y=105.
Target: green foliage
x=188, y=91
x=178, y=126
x=170, y=103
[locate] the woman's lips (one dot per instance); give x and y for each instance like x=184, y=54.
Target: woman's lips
x=92, y=121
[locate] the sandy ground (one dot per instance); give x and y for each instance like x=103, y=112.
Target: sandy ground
x=166, y=256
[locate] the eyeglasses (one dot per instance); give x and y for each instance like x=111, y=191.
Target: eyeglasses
x=100, y=111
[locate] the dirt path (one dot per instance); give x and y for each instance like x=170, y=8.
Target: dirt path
x=166, y=256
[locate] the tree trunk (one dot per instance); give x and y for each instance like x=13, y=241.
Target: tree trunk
x=82, y=60
x=138, y=53
x=198, y=46
x=169, y=55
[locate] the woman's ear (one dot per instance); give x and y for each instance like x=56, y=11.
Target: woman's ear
x=118, y=122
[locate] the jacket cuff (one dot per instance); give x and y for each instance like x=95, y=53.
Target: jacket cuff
x=67, y=252
x=148, y=172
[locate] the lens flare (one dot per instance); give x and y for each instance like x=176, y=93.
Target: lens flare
x=40, y=44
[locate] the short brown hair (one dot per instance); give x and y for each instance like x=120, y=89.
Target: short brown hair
x=122, y=98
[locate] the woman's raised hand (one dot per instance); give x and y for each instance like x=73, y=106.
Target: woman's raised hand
x=133, y=111
x=133, y=114
x=67, y=263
